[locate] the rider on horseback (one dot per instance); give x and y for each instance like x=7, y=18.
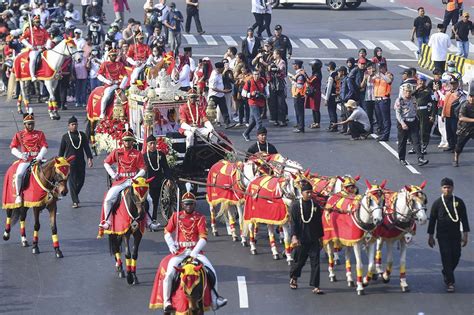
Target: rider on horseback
x=139, y=55
x=34, y=38
x=193, y=119
x=191, y=237
x=130, y=165
x=110, y=73
x=28, y=145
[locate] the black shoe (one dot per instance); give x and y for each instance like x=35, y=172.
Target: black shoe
x=412, y=151
x=283, y=124
x=230, y=125
x=276, y=124
x=382, y=139
x=448, y=150
x=422, y=161
x=298, y=130
x=455, y=163
x=403, y=162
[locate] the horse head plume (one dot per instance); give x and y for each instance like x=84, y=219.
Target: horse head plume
x=71, y=158
x=368, y=184
x=423, y=184
x=357, y=178
x=384, y=182
x=149, y=180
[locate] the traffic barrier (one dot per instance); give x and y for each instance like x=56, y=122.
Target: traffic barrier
x=463, y=65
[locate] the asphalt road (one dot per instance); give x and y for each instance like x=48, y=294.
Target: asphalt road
x=84, y=282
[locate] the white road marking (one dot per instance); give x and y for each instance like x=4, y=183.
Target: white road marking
x=293, y=44
x=395, y=153
x=348, y=43
x=309, y=43
x=410, y=45
x=243, y=295
x=209, y=40
x=367, y=43
x=410, y=9
x=312, y=58
x=190, y=39
x=389, y=45
x=328, y=43
x=229, y=40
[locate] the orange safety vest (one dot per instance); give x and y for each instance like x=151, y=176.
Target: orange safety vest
x=381, y=88
x=451, y=5
x=300, y=81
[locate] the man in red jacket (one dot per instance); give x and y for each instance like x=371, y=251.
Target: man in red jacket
x=256, y=92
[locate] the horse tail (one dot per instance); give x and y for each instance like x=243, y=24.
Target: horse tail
x=11, y=88
x=223, y=211
x=15, y=216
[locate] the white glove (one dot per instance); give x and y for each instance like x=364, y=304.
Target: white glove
x=185, y=126
x=170, y=242
x=42, y=153
x=198, y=248
x=110, y=171
x=208, y=125
x=18, y=154
x=193, y=129
x=141, y=173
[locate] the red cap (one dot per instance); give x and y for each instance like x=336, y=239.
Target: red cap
x=362, y=61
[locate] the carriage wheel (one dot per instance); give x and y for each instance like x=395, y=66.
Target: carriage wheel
x=168, y=200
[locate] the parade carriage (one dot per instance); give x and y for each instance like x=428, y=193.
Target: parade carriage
x=189, y=166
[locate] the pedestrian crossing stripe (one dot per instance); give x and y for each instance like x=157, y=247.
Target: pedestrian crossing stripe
x=315, y=43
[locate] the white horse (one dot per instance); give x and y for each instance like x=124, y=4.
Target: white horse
x=402, y=210
x=54, y=58
x=245, y=173
x=367, y=215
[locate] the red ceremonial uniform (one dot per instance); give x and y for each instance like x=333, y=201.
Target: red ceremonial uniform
x=113, y=71
x=129, y=163
x=40, y=36
x=190, y=228
x=139, y=52
x=29, y=142
x=193, y=114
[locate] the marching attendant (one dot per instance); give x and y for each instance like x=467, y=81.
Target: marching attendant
x=447, y=212
x=306, y=238
x=130, y=165
x=139, y=54
x=156, y=168
x=298, y=93
x=111, y=73
x=425, y=112
x=34, y=38
x=190, y=229
x=28, y=145
x=75, y=143
x=465, y=125
x=262, y=145
x=192, y=116
x=256, y=92
x=408, y=125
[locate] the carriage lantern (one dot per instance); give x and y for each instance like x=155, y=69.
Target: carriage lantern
x=211, y=111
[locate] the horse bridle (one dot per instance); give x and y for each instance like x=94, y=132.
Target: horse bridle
x=54, y=183
x=367, y=227
x=409, y=200
x=63, y=54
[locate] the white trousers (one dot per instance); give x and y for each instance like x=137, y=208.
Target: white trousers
x=171, y=271
x=202, y=131
x=135, y=73
x=33, y=54
x=108, y=93
x=114, y=193
x=20, y=171
x=442, y=131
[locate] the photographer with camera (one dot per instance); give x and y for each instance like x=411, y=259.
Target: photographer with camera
x=256, y=92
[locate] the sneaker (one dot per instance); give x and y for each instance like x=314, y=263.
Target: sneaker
x=455, y=163
x=75, y=205
x=298, y=130
x=422, y=162
x=239, y=124
x=230, y=125
x=283, y=124
x=403, y=162
x=220, y=302
x=412, y=151
x=104, y=225
x=272, y=121
x=246, y=137
x=202, y=32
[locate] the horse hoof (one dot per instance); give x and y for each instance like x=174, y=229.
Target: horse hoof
x=35, y=250
x=6, y=236
x=276, y=257
x=59, y=254
x=121, y=274
x=129, y=278
x=350, y=284
x=25, y=244
x=253, y=252
x=360, y=292
x=135, y=280
x=385, y=280
x=235, y=238
x=337, y=262
x=405, y=289
x=375, y=277
x=244, y=244
x=215, y=233
x=332, y=279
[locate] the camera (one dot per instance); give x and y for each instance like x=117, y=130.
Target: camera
x=273, y=68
